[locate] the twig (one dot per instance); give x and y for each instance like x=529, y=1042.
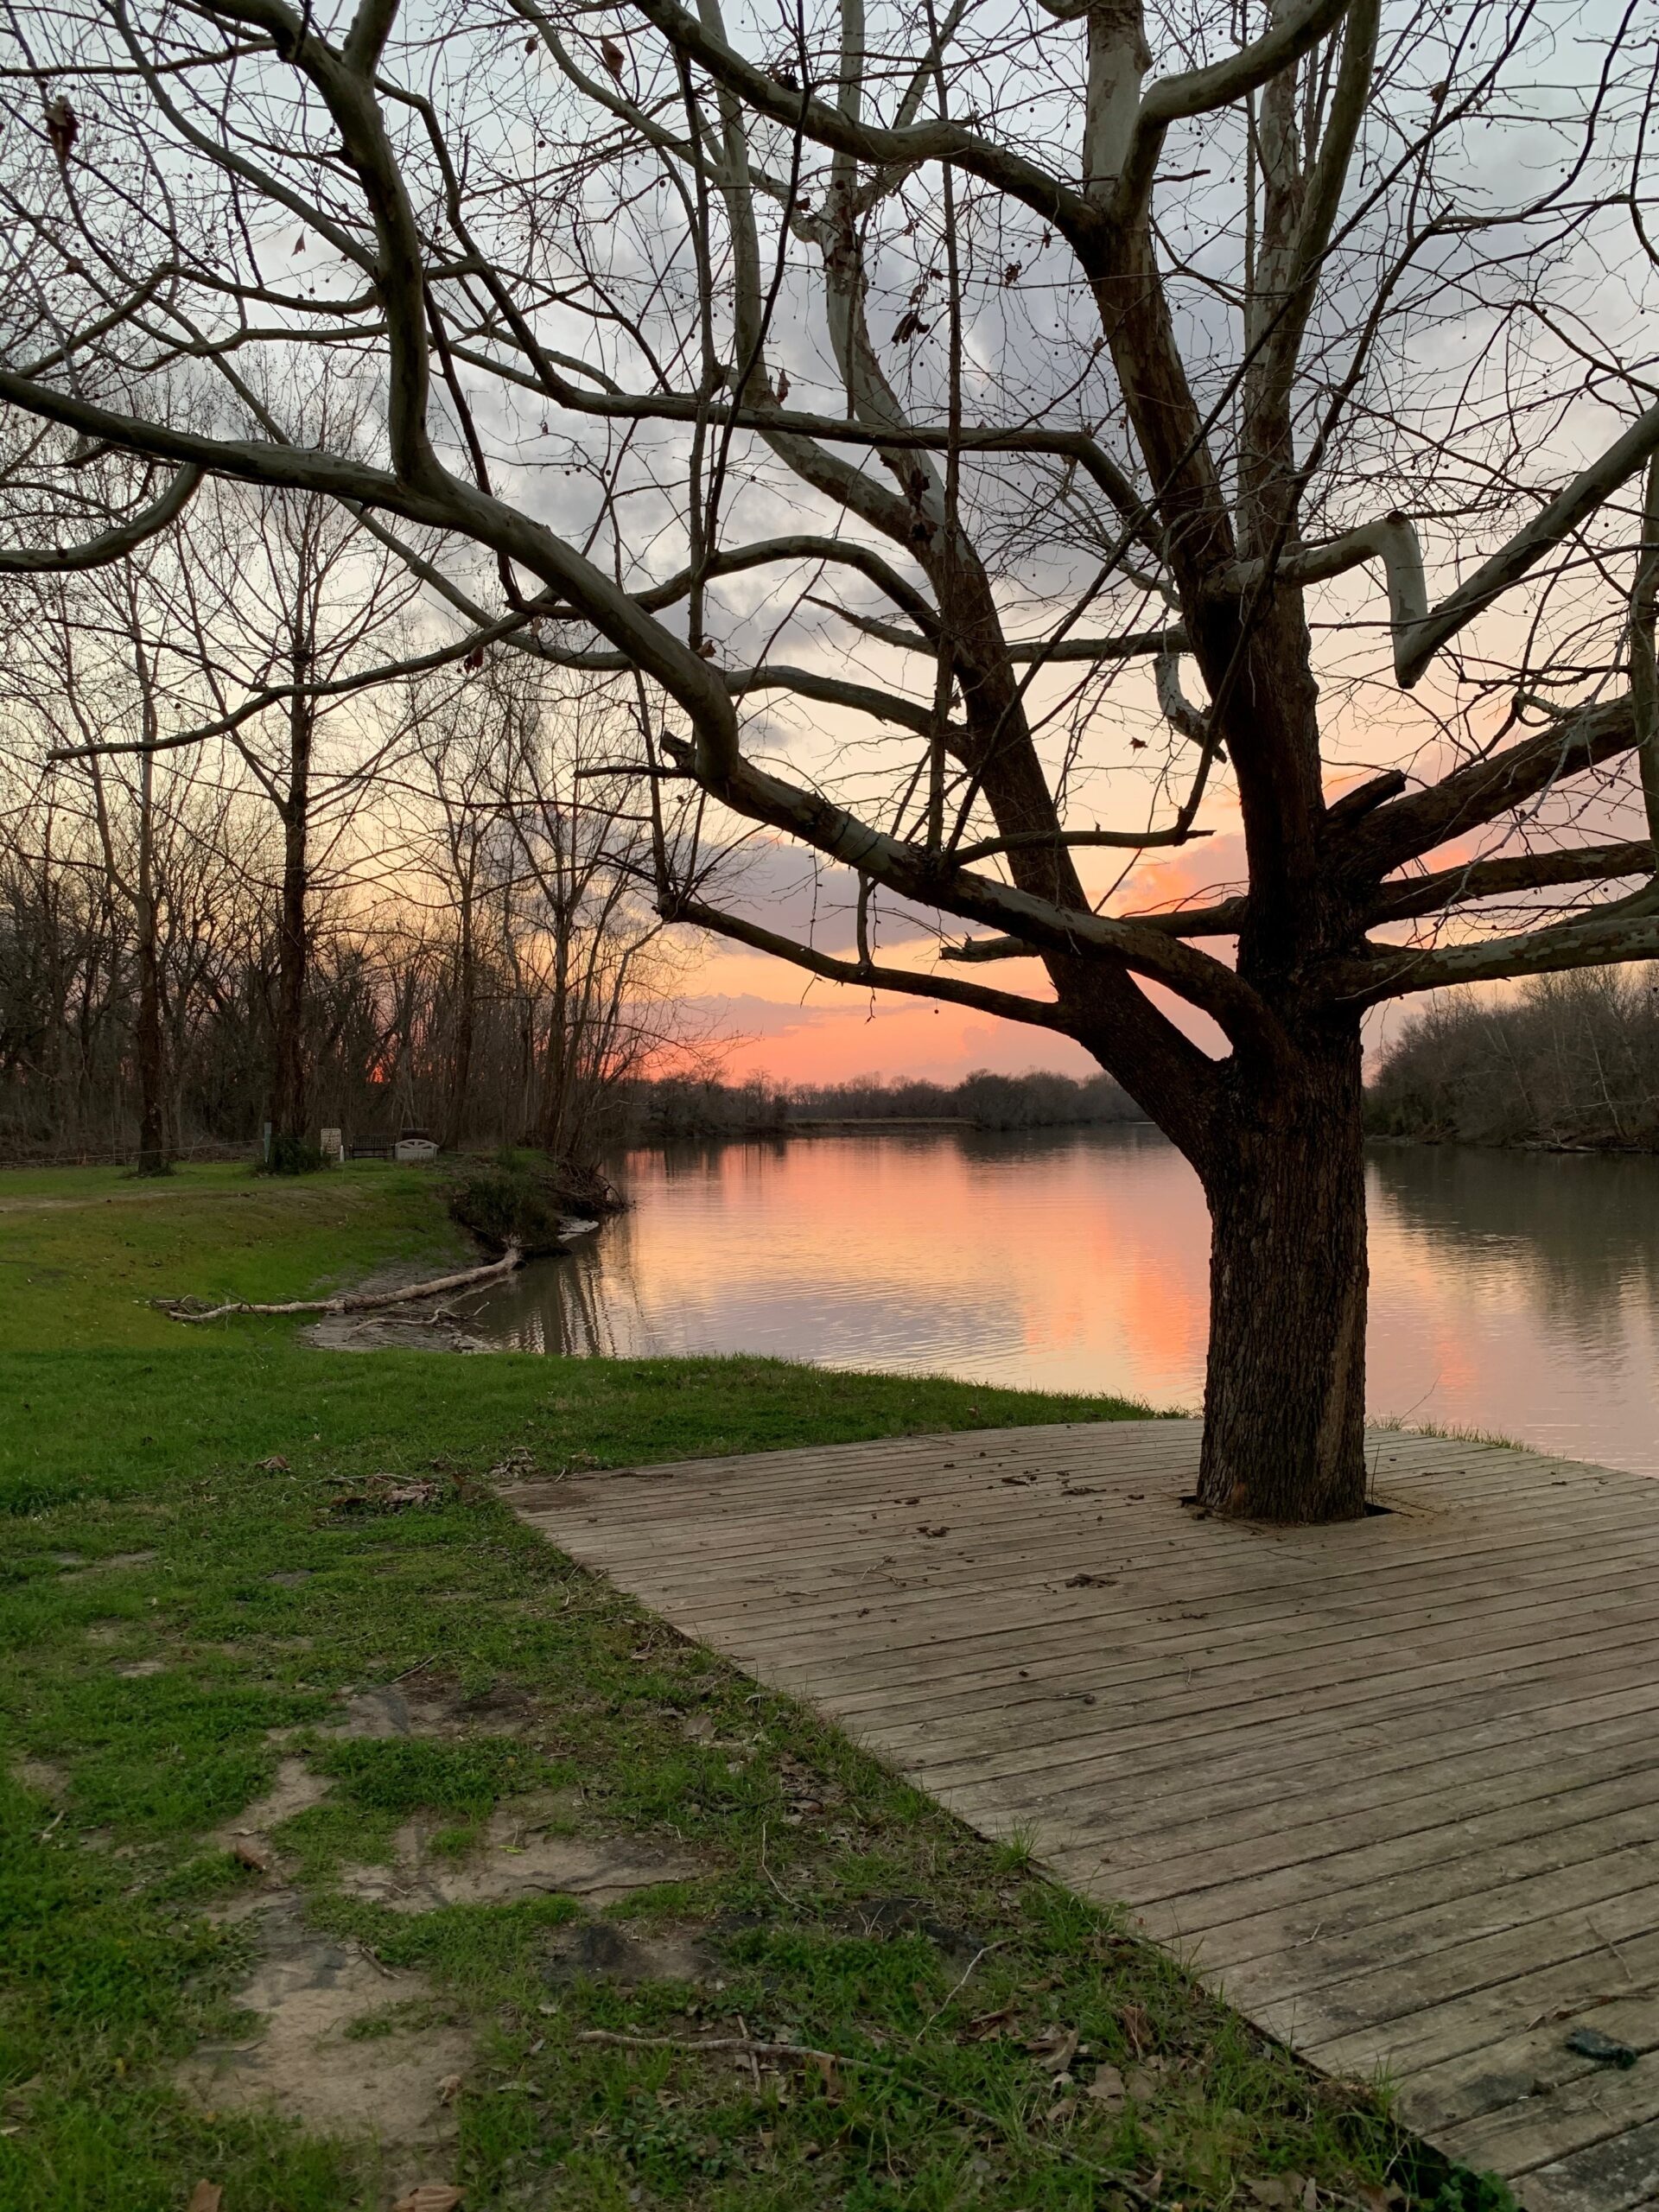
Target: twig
x=419, y=1667
x=767, y=1871
x=753, y=2047
x=358, y=1301
x=984, y=1951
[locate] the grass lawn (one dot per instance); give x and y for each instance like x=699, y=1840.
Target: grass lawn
x=322, y=1778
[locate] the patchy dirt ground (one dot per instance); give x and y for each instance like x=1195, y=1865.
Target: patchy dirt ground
x=515, y=1858
x=306, y=2055
x=341, y=2041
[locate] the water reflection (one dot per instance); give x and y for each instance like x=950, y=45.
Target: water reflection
x=1515, y=1292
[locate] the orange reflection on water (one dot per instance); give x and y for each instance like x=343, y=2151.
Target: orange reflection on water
x=1516, y=1292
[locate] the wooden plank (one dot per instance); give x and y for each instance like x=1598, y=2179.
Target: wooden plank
x=1394, y=1786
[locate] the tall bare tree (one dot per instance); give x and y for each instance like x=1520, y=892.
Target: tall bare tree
x=1061, y=361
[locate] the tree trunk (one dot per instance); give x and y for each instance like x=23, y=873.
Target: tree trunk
x=454, y=1126
x=147, y=1040
x=1285, y=1390
x=288, y=1104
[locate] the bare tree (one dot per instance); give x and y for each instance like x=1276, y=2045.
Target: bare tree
x=1172, y=368
x=280, y=600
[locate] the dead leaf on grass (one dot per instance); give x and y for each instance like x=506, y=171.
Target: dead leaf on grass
x=449, y=2088
x=250, y=1855
x=1136, y=2024
x=429, y=2196
x=1055, y=2049
x=396, y=1495
x=988, y=2024
x=1109, y=2088
x=204, y=2197
x=275, y=1465
x=1285, y=2192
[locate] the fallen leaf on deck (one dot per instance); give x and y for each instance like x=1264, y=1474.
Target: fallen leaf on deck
x=1055, y=2049
x=922, y=1529
x=204, y=2197
x=1590, y=2042
x=1089, y=1581
x=429, y=2196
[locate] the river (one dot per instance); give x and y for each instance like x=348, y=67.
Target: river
x=1513, y=1293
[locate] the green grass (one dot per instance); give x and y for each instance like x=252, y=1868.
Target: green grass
x=83, y=1248
x=173, y=1501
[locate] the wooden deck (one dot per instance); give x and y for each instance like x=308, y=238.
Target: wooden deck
x=1394, y=1787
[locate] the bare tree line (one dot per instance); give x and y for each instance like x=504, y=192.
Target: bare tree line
x=981, y=448
x=676, y=1109
x=475, y=960
x=1569, y=1060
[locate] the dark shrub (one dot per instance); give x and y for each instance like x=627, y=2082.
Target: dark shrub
x=510, y=1200
x=293, y=1156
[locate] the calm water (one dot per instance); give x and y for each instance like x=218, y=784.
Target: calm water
x=1509, y=1291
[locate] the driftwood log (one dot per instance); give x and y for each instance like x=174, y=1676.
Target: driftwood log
x=355, y=1301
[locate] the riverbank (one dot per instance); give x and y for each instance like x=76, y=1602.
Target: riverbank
x=330, y=1791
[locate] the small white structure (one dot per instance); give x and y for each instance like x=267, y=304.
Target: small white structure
x=415, y=1149
x=332, y=1144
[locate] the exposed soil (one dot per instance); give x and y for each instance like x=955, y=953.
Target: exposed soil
x=398, y=1710
x=301, y=2060
x=425, y=1327
x=517, y=1857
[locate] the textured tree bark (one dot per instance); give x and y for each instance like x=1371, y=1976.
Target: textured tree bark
x=288, y=1099
x=1285, y=1390
x=461, y=1072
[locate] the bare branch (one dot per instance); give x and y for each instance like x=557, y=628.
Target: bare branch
x=114, y=545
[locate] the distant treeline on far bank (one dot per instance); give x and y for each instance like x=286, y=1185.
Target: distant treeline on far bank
x=678, y=1111
x=1568, y=1060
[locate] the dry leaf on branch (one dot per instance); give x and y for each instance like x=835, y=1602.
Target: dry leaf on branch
x=62, y=128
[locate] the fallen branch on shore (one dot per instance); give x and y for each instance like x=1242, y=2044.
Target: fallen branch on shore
x=356, y=1301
